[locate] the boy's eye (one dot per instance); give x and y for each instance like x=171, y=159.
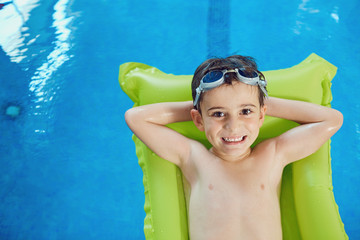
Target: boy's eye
x=245, y=111
x=218, y=114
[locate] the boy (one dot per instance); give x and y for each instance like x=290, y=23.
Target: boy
x=234, y=187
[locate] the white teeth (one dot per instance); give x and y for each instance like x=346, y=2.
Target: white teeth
x=233, y=139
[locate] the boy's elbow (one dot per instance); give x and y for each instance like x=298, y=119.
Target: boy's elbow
x=130, y=117
x=338, y=120
x=127, y=115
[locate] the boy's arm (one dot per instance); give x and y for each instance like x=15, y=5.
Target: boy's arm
x=317, y=125
x=148, y=124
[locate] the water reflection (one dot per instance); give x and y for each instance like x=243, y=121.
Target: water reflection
x=335, y=14
x=13, y=16
x=17, y=38
x=311, y=16
x=43, y=89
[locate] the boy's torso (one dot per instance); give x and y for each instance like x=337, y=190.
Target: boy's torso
x=236, y=200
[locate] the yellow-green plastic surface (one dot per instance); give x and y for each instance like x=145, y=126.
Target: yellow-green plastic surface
x=308, y=208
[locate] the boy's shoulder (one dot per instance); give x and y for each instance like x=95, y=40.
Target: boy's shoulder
x=198, y=149
x=266, y=145
x=265, y=150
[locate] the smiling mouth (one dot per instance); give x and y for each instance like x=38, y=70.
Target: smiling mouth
x=234, y=139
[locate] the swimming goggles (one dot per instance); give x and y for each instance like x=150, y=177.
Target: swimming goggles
x=215, y=78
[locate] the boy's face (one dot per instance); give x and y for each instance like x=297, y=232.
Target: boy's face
x=231, y=118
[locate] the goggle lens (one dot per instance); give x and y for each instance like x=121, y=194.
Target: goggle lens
x=251, y=74
x=213, y=76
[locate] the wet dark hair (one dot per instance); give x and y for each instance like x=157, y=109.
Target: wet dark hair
x=235, y=61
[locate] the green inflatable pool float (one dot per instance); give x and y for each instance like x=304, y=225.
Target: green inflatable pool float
x=308, y=208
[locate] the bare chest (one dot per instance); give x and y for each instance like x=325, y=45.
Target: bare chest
x=236, y=188
x=244, y=179
x=242, y=200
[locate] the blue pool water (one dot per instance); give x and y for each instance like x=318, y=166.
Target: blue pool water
x=68, y=168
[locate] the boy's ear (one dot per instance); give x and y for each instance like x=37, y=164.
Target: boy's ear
x=197, y=119
x=262, y=114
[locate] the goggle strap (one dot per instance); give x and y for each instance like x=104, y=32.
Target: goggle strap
x=198, y=93
x=262, y=87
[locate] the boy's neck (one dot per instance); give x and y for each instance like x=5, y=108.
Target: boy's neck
x=232, y=159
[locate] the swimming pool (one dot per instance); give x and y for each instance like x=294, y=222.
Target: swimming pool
x=68, y=165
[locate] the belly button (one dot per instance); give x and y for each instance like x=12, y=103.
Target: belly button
x=211, y=187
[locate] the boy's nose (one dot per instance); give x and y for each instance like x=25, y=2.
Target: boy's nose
x=233, y=124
